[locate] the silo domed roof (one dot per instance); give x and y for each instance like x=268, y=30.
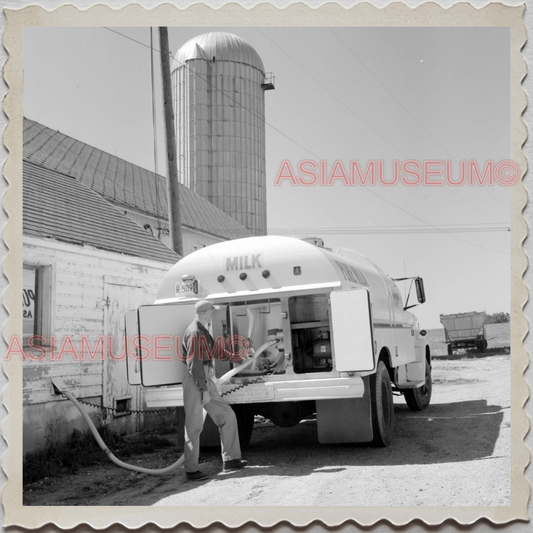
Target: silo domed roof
x=222, y=46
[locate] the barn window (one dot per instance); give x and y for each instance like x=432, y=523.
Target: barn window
x=37, y=297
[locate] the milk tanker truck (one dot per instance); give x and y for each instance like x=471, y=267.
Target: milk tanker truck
x=336, y=340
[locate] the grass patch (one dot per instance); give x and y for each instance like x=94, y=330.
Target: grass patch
x=81, y=449
x=143, y=443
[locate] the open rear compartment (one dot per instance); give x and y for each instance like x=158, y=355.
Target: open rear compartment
x=310, y=333
x=248, y=325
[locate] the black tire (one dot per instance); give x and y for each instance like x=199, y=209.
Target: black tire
x=418, y=399
x=382, y=406
x=245, y=423
x=450, y=349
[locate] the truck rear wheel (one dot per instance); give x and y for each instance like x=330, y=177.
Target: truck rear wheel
x=450, y=349
x=382, y=406
x=418, y=399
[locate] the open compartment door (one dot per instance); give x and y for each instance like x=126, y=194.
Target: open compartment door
x=351, y=324
x=131, y=331
x=161, y=329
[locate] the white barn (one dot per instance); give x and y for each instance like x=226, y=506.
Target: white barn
x=85, y=263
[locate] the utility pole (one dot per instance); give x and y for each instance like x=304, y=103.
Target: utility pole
x=174, y=207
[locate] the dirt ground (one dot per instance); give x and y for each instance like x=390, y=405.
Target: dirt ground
x=457, y=452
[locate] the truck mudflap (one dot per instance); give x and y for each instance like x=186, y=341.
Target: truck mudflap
x=274, y=391
x=344, y=420
x=367, y=419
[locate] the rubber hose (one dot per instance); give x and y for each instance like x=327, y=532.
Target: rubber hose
x=179, y=462
x=118, y=462
x=247, y=363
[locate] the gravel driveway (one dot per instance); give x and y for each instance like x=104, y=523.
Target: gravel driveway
x=457, y=452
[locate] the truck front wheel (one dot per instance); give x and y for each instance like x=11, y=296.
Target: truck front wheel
x=418, y=399
x=382, y=406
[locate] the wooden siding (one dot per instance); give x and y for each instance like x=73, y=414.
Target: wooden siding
x=81, y=275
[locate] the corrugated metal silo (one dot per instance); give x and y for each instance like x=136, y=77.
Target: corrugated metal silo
x=219, y=82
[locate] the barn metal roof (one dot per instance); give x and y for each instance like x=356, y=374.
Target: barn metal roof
x=63, y=208
x=221, y=46
x=122, y=183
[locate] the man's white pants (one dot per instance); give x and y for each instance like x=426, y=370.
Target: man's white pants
x=220, y=412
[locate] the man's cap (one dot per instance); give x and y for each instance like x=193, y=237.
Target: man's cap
x=204, y=305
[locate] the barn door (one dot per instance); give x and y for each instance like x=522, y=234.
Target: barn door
x=119, y=297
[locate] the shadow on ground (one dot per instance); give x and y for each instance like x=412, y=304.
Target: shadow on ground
x=444, y=433
x=474, y=353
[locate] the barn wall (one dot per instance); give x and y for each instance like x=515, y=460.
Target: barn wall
x=81, y=282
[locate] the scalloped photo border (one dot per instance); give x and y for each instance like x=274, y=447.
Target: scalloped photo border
x=396, y=14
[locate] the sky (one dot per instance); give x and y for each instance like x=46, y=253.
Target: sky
x=341, y=94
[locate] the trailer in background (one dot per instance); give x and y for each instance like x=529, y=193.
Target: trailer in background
x=464, y=330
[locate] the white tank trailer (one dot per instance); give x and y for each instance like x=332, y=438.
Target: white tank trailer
x=219, y=86
x=341, y=338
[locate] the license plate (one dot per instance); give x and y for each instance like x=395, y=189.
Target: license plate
x=251, y=393
x=186, y=288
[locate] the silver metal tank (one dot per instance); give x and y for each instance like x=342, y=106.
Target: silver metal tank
x=218, y=87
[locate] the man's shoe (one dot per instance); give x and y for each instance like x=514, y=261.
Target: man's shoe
x=234, y=464
x=196, y=476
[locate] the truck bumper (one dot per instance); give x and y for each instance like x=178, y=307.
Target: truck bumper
x=273, y=391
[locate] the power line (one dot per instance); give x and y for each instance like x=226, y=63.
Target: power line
x=130, y=38
x=334, y=96
x=388, y=230
x=487, y=191
x=388, y=92
x=223, y=93
x=437, y=229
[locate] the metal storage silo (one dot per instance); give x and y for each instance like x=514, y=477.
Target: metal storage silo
x=219, y=82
